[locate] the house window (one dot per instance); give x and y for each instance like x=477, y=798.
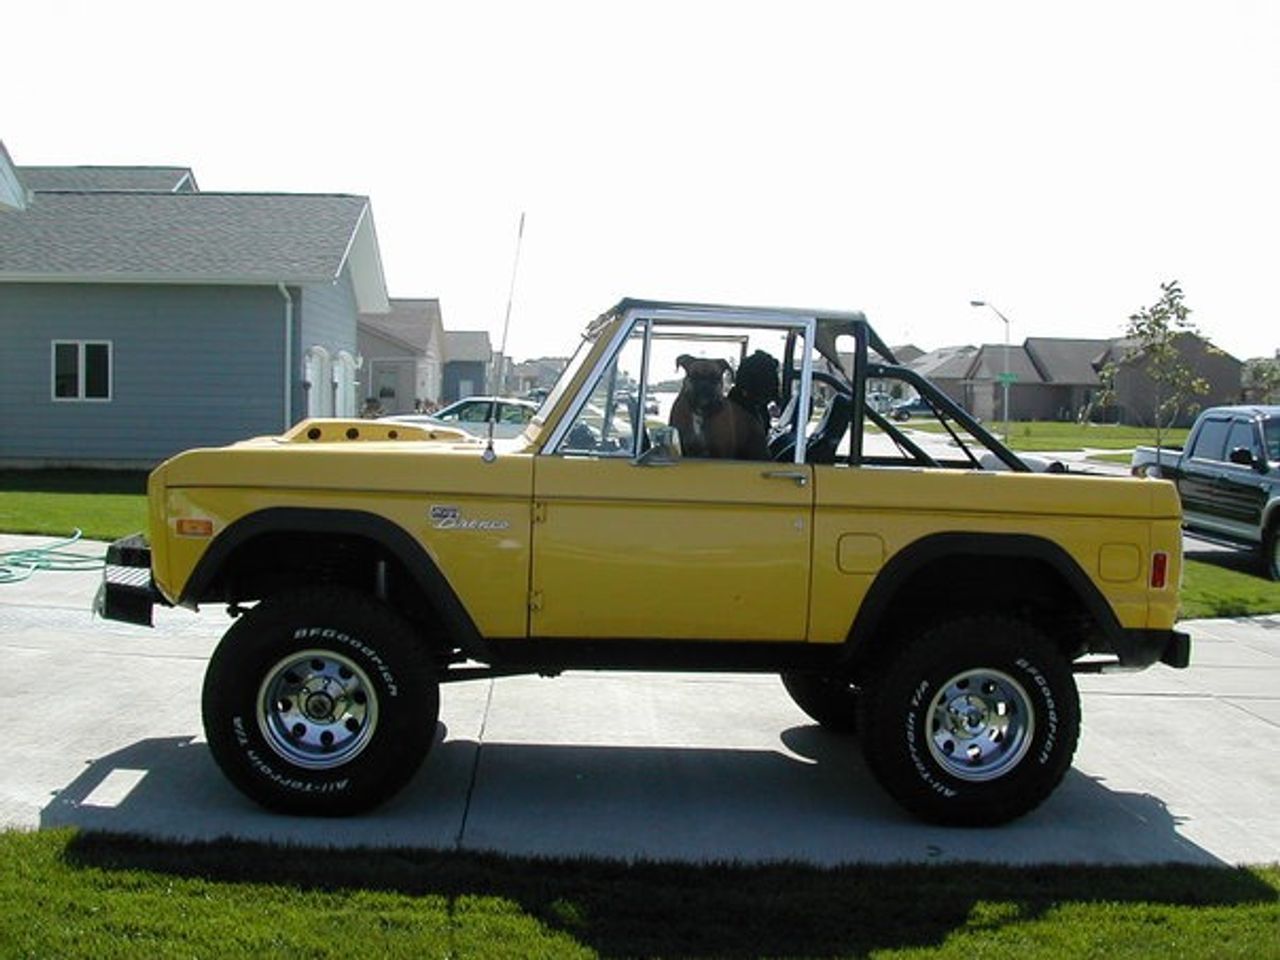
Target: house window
x=81, y=370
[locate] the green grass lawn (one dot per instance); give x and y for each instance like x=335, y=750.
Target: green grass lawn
x=69, y=895
x=103, y=504
x=1227, y=586
x=1046, y=435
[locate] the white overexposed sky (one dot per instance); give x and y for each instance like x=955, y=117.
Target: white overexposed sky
x=1059, y=160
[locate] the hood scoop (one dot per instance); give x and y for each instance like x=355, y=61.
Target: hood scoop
x=365, y=431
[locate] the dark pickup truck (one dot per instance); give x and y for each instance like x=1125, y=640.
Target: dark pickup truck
x=1228, y=476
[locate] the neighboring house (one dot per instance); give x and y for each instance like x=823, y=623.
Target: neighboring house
x=1135, y=391
x=986, y=382
x=403, y=353
x=1058, y=378
x=891, y=387
x=140, y=316
x=1069, y=374
x=905, y=353
x=468, y=356
x=948, y=369
x=530, y=375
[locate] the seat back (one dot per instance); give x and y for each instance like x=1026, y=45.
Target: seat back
x=822, y=446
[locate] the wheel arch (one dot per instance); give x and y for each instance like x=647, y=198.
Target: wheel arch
x=1271, y=515
x=950, y=572
x=231, y=569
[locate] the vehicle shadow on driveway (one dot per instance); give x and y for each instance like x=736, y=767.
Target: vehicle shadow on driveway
x=811, y=800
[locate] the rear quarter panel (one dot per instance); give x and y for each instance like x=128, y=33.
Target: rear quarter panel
x=1109, y=527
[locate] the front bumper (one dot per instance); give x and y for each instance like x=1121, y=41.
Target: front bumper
x=127, y=592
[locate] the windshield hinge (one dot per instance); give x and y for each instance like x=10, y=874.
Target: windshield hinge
x=539, y=513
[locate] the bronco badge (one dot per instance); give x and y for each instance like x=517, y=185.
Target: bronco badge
x=451, y=518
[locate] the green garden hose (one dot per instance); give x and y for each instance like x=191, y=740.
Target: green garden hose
x=18, y=565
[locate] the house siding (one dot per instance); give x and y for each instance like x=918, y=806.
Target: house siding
x=191, y=366
x=389, y=374
x=329, y=315
x=327, y=318
x=1136, y=391
x=458, y=373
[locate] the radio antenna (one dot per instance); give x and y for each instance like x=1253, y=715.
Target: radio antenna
x=489, y=455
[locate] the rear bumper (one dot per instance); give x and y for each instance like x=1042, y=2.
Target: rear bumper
x=128, y=593
x=1143, y=648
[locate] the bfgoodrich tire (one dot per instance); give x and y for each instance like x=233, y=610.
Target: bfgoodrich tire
x=831, y=701
x=320, y=702
x=972, y=724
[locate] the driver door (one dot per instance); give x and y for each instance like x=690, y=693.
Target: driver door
x=630, y=547
x=700, y=550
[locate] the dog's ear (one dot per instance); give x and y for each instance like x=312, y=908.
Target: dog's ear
x=683, y=361
x=726, y=367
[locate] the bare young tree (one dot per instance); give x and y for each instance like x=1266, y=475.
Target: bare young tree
x=1155, y=336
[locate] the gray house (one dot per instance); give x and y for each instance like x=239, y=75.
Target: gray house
x=468, y=358
x=140, y=316
x=1136, y=391
x=1054, y=378
x=403, y=354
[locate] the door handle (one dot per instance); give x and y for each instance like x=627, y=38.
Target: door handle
x=800, y=477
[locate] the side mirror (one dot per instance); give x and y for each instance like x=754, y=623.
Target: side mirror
x=1242, y=457
x=664, y=448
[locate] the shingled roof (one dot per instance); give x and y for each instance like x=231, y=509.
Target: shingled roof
x=945, y=363
x=994, y=359
x=472, y=345
x=414, y=323
x=1067, y=360
x=146, y=179
x=201, y=238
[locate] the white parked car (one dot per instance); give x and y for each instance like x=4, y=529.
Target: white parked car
x=472, y=414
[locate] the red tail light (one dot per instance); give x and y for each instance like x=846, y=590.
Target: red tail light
x=1159, y=570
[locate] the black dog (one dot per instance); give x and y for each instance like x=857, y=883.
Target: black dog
x=756, y=386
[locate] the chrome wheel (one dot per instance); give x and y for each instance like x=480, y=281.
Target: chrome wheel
x=980, y=725
x=317, y=709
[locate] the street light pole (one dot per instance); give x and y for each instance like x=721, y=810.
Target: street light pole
x=1005, y=377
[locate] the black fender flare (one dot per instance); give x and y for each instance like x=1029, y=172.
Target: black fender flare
x=904, y=564
x=358, y=523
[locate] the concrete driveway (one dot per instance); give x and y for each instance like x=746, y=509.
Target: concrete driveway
x=103, y=731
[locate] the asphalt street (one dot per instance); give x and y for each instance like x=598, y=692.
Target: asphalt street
x=103, y=731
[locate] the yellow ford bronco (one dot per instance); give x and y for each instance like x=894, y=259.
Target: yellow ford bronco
x=915, y=583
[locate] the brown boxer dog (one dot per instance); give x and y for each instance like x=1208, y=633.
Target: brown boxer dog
x=709, y=424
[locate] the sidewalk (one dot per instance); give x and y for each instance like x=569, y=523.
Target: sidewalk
x=104, y=732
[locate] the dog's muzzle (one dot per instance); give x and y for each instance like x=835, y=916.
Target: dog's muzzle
x=705, y=392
